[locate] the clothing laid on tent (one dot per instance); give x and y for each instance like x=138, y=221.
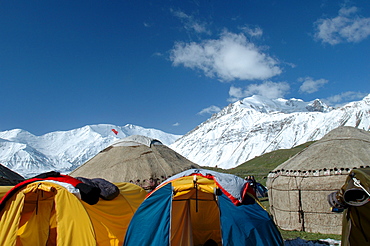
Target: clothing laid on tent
x=55, y=209
x=353, y=198
x=199, y=206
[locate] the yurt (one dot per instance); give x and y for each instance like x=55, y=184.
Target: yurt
x=141, y=160
x=202, y=207
x=9, y=177
x=299, y=187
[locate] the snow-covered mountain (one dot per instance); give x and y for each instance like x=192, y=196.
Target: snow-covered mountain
x=257, y=125
x=239, y=132
x=28, y=154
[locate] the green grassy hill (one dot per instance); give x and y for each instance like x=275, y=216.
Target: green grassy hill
x=260, y=166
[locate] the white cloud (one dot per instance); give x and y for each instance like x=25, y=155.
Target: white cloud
x=253, y=32
x=176, y=124
x=190, y=23
x=267, y=89
x=146, y=24
x=157, y=54
x=346, y=27
x=236, y=93
x=228, y=58
x=210, y=110
x=309, y=85
x=345, y=97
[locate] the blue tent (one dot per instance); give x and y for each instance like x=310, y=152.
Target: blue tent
x=261, y=191
x=196, y=206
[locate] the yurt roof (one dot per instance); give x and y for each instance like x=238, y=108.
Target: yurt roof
x=9, y=177
x=136, y=140
x=134, y=158
x=343, y=148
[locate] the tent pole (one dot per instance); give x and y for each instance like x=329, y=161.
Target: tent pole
x=196, y=192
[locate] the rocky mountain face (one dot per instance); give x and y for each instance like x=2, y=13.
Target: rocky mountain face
x=256, y=125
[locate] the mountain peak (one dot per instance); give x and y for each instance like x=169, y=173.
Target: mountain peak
x=318, y=106
x=257, y=125
x=63, y=151
x=266, y=105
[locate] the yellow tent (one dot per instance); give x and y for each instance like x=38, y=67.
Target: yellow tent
x=47, y=213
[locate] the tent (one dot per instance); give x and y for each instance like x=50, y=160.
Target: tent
x=298, y=188
x=50, y=212
x=138, y=159
x=354, y=197
x=196, y=206
x=9, y=177
x=260, y=190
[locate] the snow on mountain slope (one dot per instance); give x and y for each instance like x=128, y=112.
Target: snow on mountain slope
x=265, y=105
x=239, y=132
x=257, y=125
x=28, y=154
x=22, y=157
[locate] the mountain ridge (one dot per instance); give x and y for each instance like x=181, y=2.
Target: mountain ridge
x=256, y=125
x=64, y=151
x=239, y=132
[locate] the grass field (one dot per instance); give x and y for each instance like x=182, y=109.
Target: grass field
x=301, y=234
x=260, y=166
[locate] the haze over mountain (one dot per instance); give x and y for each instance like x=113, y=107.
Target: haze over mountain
x=242, y=130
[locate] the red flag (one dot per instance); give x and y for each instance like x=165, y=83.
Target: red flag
x=115, y=131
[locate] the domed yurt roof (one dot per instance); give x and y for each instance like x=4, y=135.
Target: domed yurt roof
x=137, y=159
x=136, y=140
x=343, y=148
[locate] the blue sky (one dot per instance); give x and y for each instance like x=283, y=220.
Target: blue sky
x=169, y=65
